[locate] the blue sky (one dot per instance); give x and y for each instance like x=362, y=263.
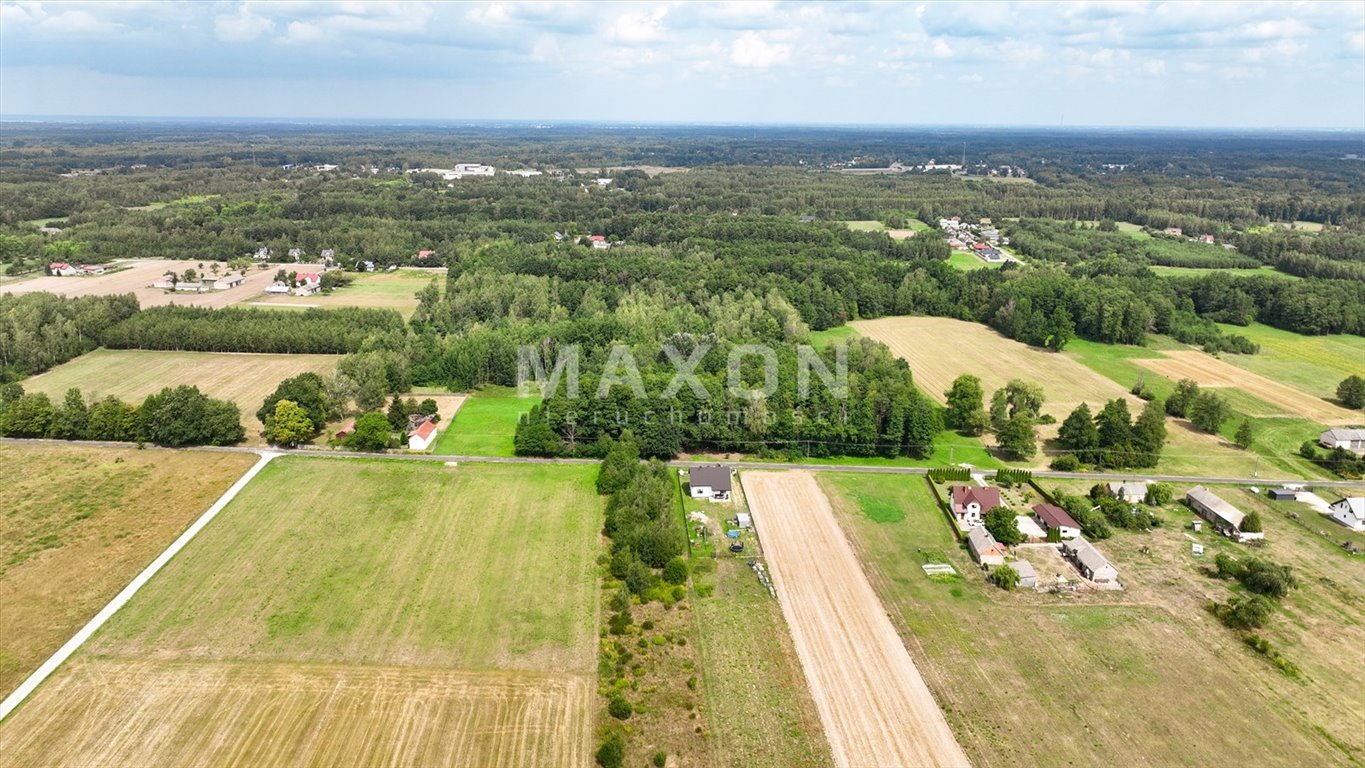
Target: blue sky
x=1209, y=64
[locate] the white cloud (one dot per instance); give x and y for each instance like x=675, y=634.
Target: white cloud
x=751, y=50
x=1355, y=41
x=303, y=32
x=638, y=27
x=1155, y=67
x=243, y=27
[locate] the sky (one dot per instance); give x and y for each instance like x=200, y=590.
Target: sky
x=1206, y=64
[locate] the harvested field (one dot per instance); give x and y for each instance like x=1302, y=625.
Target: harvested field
x=185, y=714
x=1210, y=371
x=72, y=539
x=136, y=277
x=355, y=612
x=132, y=374
x=874, y=705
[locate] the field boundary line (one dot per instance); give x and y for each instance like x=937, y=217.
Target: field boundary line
x=54, y=661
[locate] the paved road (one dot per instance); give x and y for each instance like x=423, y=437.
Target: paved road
x=862, y=468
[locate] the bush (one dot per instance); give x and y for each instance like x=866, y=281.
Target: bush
x=612, y=753
x=1066, y=463
x=660, y=759
x=1005, y=577
x=618, y=707
x=1003, y=526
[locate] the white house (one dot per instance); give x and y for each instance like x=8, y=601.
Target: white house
x=1350, y=439
x=970, y=503
x=422, y=437
x=711, y=482
x=190, y=286
x=598, y=241
x=277, y=287
x=1131, y=491
x=262, y=254
x=1350, y=512
x=309, y=283
x=61, y=268
x=230, y=280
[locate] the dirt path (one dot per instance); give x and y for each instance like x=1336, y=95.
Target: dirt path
x=875, y=707
x=48, y=667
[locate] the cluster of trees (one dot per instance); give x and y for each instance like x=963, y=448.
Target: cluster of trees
x=1014, y=413
x=1112, y=438
x=642, y=521
x=40, y=330
x=1267, y=581
x=1339, y=460
x=1206, y=410
x=173, y=417
x=244, y=329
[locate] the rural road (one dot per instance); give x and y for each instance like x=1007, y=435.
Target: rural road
x=16, y=698
x=860, y=468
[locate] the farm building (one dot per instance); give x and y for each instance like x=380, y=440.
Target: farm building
x=1028, y=578
x=711, y=482
x=1131, y=491
x=1224, y=517
x=1051, y=516
x=972, y=502
x=1350, y=439
x=420, y=439
x=346, y=429
x=229, y=281
x=1282, y=494
x=190, y=286
x=166, y=282
x=61, y=269
x=984, y=548
x=309, y=283
x=92, y=269
x=1088, y=560
x=277, y=287
x=1350, y=512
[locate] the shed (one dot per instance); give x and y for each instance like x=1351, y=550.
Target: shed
x=744, y=520
x=1027, y=576
x=1282, y=494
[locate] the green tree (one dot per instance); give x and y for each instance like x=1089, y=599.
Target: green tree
x=1079, y=435
x=365, y=377
x=1252, y=523
x=965, y=412
x=372, y=433
x=308, y=391
x=1179, y=402
x=1004, y=526
x=1018, y=441
x=113, y=419
x=612, y=752
x=1061, y=330
x=1244, y=434
x=1115, y=425
x=1005, y=577
x=29, y=416
x=619, y=464
x=1025, y=397
x=1159, y=493
x=398, y=413
x=185, y=416
x=1208, y=411
x=1149, y=434
x=289, y=425
x=675, y=571
x=1351, y=391
x=1000, y=409
x=72, y=420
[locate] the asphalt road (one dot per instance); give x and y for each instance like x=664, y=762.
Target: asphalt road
x=1040, y=474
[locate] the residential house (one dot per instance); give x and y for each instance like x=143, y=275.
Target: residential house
x=61, y=269
x=979, y=246
x=990, y=233
x=262, y=254
x=986, y=222
x=296, y=253
x=421, y=438
x=970, y=503
x=1131, y=491
x=984, y=548
x=993, y=255
x=1350, y=512
x=600, y=242
x=602, y=182
x=425, y=254
x=190, y=286
x=711, y=482
x=230, y=280
x=1350, y=439
x=307, y=284
x=328, y=256
x=1224, y=517
x=1028, y=578
x=277, y=287
x=92, y=269
x=956, y=244
x=1173, y=231
x=1206, y=239
x=1052, y=517
x=49, y=230
x=346, y=430
x=1088, y=560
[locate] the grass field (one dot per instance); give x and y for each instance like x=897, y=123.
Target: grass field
x=837, y=334
x=356, y=611
x=381, y=290
x=1134, y=231
x=865, y=226
x=1266, y=271
x=245, y=379
x=1314, y=364
x=755, y=693
x=1216, y=372
x=485, y=424
x=1105, y=679
x=968, y=262
x=78, y=523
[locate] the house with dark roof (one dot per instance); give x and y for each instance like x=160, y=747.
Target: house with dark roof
x=1088, y=560
x=1052, y=517
x=711, y=482
x=970, y=503
x=1226, y=518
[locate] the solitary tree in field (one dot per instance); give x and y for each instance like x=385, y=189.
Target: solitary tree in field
x=1351, y=391
x=1244, y=436
x=965, y=411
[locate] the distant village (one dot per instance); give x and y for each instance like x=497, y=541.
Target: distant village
x=981, y=238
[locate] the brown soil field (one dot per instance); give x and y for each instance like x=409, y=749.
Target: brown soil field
x=78, y=523
x=136, y=277
x=132, y=375
x=874, y=704
x=1209, y=371
x=901, y=234
x=112, y=712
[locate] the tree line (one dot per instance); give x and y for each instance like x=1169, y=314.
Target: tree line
x=174, y=417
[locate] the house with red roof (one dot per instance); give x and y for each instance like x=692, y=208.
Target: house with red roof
x=970, y=503
x=598, y=241
x=1052, y=517
x=61, y=269
x=307, y=283
x=421, y=438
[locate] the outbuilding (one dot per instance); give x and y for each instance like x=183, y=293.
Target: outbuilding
x=1053, y=518
x=421, y=438
x=1028, y=578
x=1088, y=560
x=1282, y=494
x=1226, y=518
x=984, y=548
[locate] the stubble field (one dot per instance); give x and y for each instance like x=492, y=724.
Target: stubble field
x=1210, y=371
x=77, y=524
x=345, y=610
x=136, y=277
x=130, y=374
x=874, y=705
